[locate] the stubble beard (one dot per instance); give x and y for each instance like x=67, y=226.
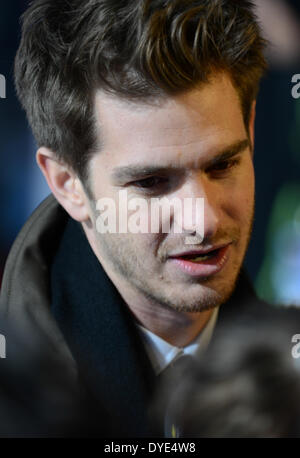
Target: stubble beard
x=126, y=264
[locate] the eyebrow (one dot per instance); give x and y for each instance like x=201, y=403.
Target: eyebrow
x=133, y=172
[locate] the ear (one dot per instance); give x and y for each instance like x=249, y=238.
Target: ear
x=252, y=125
x=64, y=184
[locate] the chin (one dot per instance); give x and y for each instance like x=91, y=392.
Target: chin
x=195, y=298
x=207, y=300
x=207, y=296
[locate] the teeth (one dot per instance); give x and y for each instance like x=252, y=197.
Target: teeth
x=199, y=258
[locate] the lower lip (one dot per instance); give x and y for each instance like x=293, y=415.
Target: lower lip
x=203, y=268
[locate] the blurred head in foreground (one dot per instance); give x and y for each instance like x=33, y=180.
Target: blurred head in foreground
x=246, y=385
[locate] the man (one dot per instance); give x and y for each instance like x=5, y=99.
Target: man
x=156, y=99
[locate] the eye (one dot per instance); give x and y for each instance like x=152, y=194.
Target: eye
x=224, y=166
x=150, y=182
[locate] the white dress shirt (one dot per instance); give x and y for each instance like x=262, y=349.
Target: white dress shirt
x=162, y=353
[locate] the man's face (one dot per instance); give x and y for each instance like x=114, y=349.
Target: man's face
x=172, y=149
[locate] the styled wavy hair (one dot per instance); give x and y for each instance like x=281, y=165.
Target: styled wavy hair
x=134, y=49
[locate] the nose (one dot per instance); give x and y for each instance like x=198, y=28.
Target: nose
x=200, y=220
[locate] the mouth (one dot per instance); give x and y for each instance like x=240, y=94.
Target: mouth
x=202, y=263
x=198, y=257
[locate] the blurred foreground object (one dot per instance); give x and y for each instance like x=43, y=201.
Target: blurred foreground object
x=39, y=395
x=282, y=29
x=246, y=385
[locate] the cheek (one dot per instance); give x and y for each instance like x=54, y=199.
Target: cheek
x=239, y=196
x=248, y=187
x=246, y=201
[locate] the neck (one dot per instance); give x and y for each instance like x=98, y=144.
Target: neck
x=179, y=328
x=176, y=327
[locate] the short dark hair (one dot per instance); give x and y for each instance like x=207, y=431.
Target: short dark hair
x=135, y=49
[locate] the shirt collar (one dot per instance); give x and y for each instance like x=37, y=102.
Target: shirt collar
x=162, y=353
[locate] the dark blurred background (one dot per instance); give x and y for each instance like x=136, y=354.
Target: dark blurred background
x=273, y=259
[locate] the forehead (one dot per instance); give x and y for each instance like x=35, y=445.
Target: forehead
x=183, y=128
